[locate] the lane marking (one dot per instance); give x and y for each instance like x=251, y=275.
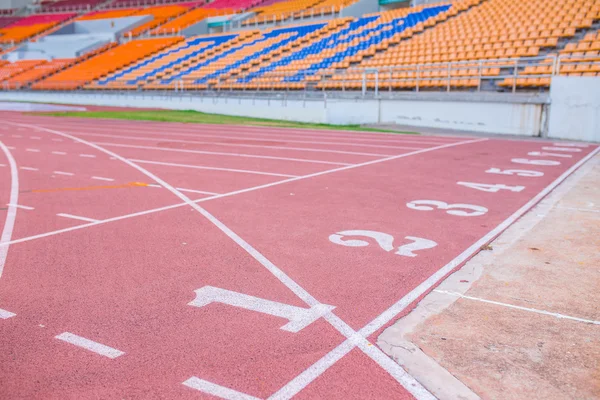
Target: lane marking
x=318, y=368
x=29, y=168
x=11, y=147
x=59, y=153
x=35, y=137
x=244, y=171
x=2, y=165
x=77, y=217
x=90, y=345
x=132, y=146
x=20, y=206
x=57, y=140
x=309, y=149
x=216, y=390
x=394, y=369
x=533, y=310
x=11, y=213
x=16, y=136
x=63, y=173
x=196, y=191
x=4, y=314
x=85, y=188
x=32, y=150
x=100, y=178
x=87, y=155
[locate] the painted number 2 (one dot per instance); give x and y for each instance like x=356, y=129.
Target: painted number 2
x=452, y=209
x=384, y=240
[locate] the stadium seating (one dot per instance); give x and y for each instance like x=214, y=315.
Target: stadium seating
x=37, y=72
x=6, y=21
x=283, y=10
x=71, y=5
x=190, y=18
x=9, y=70
x=108, y=14
x=27, y=27
x=105, y=63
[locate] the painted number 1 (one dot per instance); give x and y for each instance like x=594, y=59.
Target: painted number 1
x=384, y=240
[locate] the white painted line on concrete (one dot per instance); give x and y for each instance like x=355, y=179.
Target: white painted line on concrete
x=100, y=178
x=578, y=209
x=533, y=310
x=63, y=173
x=245, y=171
x=32, y=150
x=4, y=314
x=20, y=206
x=216, y=390
x=154, y=185
x=11, y=213
x=87, y=155
x=90, y=345
x=59, y=153
x=77, y=217
x=29, y=168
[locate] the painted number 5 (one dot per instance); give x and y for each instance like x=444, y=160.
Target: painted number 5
x=384, y=240
x=452, y=209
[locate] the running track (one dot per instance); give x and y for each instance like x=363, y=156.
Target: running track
x=152, y=260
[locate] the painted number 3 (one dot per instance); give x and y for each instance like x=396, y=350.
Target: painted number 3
x=462, y=210
x=384, y=240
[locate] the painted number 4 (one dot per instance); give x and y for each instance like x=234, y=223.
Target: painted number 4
x=384, y=240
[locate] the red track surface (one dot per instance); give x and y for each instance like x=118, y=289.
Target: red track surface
x=126, y=282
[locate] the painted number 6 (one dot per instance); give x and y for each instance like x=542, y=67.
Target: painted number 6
x=452, y=209
x=384, y=240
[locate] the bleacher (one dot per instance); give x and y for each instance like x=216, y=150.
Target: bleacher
x=463, y=45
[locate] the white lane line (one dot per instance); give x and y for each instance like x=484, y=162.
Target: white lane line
x=59, y=153
x=216, y=390
x=2, y=165
x=32, y=150
x=256, y=146
x=196, y=191
x=16, y=136
x=394, y=369
x=90, y=345
x=244, y=171
x=100, y=178
x=57, y=140
x=4, y=314
x=77, y=217
x=63, y=173
x=154, y=185
x=20, y=206
x=268, y=140
x=29, y=169
x=275, y=133
x=35, y=138
x=315, y=370
x=132, y=146
x=533, y=310
x=11, y=213
x=87, y=155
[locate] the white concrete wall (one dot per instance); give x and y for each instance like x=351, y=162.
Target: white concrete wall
x=575, y=108
x=488, y=117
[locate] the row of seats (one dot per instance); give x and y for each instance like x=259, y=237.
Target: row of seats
x=27, y=27
x=104, y=63
x=71, y=5
x=283, y=10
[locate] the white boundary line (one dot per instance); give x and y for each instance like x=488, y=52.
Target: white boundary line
x=216, y=390
x=77, y=217
x=5, y=314
x=243, y=171
x=90, y=345
x=101, y=178
x=11, y=214
x=315, y=370
x=533, y=310
x=20, y=206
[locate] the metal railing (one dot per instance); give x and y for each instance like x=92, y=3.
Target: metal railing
x=507, y=75
x=143, y=3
